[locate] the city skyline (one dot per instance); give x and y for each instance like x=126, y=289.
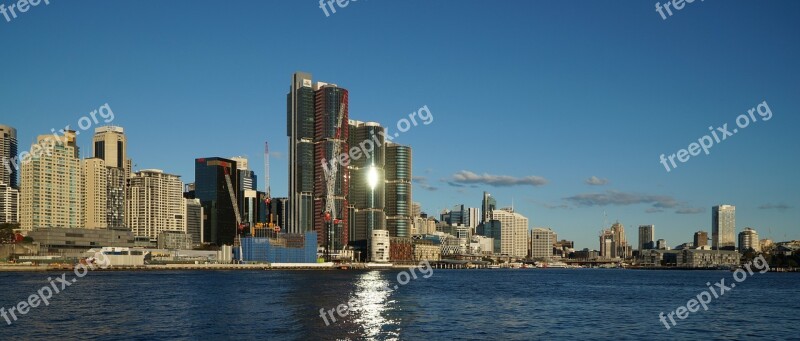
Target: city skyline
x=560, y=175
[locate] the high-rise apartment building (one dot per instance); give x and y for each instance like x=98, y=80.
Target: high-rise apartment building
x=111, y=146
x=398, y=190
x=748, y=239
x=513, y=232
x=155, y=203
x=9, y=186
x=723, y=227
x=211, y=187
x=700, y=239
x=95, y=193
x=621, y=247
x=647, y=235
x=52, y=186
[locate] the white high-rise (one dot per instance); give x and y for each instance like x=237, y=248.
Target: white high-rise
x=155, y=203
x=513, y=232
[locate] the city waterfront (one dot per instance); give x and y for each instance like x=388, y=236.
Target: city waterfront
x=523, y=304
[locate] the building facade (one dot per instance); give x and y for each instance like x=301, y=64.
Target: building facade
x=647, y=234
x=513, y=232
x=111, y=145
x=541, y=243
x=748, y=239
x=211, y=187
x=398, y=190
x=700, y=239
x=95, y=193
x=723, y=225
x=155, y=203
x=52, y=186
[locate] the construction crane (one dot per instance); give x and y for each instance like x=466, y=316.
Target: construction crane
x=330, y=215
x=239, y=226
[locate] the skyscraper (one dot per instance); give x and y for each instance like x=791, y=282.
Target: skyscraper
x=723, y=227
x=9, y=188
x=398, y=190
x=219, y=222
x=8, y=156
x=300, y=130
x=367, y=194
x=111, y=145
x=621, y=247
x=155, y=203
x=647, y=235
x=52, y=186
x=331, y=133
x=488, y=205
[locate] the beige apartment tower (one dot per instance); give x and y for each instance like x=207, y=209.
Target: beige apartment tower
x=95, y=205
x=155, y=203
x=52, y=186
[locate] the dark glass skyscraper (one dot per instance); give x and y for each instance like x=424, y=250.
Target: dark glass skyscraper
x=219, y=222
x=398, y=190
x=367, y=194
x=300, y=130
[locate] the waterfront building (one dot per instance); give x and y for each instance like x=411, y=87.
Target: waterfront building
x=647, y=235
x=700, y=239
x=541, y=243
x=193, y=211
x=661, y=244
x=219, y=220
x=748, y=239
x=398, y=190
x=174, y=240
x=9, y=187
x=155, y=203
x=380, y=248
x=488, y=204
x=513, y=232
x=367, y=194
x=427, y=250
x=111, y=145
x=52, y=186
x=723, y=227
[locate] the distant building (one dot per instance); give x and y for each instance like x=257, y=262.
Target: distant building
x=427, y=250
x=661, y=244
x=621, y=247
x=513, y=232
x=647, y=235
x=488, y=205
x=367, y=194
x=748, y=239
x=9, y=186
x=194, y=219
x=174, y=240
x=541, y=243
x=73, y=242
x=700, y=239
x=723, y=225
x=283, y=248
x=380, y=246
x=111, y=145
x=219, y=221
x=398, y=190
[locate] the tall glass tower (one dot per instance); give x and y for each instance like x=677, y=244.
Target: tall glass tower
x=723, y=227
x=398, y=190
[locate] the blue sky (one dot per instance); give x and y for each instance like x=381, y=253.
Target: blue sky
x=554, y=92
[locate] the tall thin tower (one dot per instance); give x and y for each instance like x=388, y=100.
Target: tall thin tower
x=266, y=170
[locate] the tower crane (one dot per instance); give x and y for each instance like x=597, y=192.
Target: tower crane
x=331, y=217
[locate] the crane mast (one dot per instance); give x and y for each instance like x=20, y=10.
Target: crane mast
x=331, y=217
